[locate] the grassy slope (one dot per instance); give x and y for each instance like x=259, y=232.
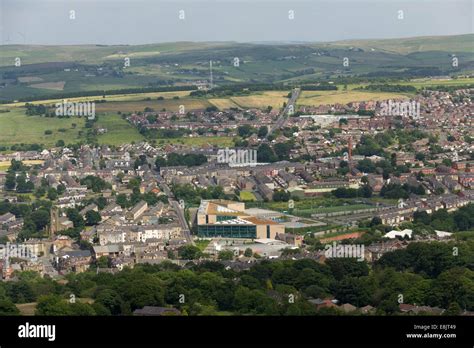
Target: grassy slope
x=456, y=43
x=93, y=54
x=262, y=63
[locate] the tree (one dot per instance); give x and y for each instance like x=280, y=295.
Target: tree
x=61, y=189
x=343, y=121
x=52, y=305
x=7, y=308
x=101, y=202
x=262, y=132
x=10, y=181
x=365, y=191
x=355, y=291
x=139, y=290
x=111, y=300
x=40, y=218
x=17, y=166
x=95, y=184
x=248, y=252
x=52, y=194
x=122, y=200
x=281, y=196
x=40, y=192
x=102, y=262
x=22, y=185
x=453, y=309
x=347, y=267
x=265, y=154
x=189, y=252
x=420, y=156
x=245, y=130
x=394, y=191
x=366, y=166
x=76, y=218
x=282, y=150
x=92, y=218
x=454, y=286
x=21, y=292
x=226, y=255
x=81, y=309
x=376, y=220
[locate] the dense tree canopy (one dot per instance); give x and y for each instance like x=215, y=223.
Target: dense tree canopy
x=424, y=273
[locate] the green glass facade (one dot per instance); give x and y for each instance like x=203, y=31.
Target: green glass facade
x=228, y=231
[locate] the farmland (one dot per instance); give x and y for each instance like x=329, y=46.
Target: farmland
x=48, y=70
x=310, y=98
x=156, y=105
x=4, y=165
x=110, y=98
x=261, y=100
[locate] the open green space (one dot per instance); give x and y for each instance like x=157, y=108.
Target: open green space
x=18, y=128
x=247, y=196
x=119, y=131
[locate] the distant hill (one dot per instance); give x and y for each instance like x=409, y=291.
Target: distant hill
x=99, y=53
x=457, y=43
x=46, y=69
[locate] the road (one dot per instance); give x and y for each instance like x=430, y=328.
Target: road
x=177, y=208
x=283, y=117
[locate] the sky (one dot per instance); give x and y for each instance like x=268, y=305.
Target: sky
x=109, y=22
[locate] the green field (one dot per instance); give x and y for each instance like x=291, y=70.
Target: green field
x=218, y=141
x=306, y=207
x=18, y=128
x=109, y=98
x=325, y=210
x=315, y=98
x=202, y=244
x=119, y=131
x=156, y=105
x=421, y=83
x=261, y=100
x=247, y=196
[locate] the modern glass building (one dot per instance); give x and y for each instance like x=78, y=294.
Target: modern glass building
x=228, y=231
x=227, y=219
